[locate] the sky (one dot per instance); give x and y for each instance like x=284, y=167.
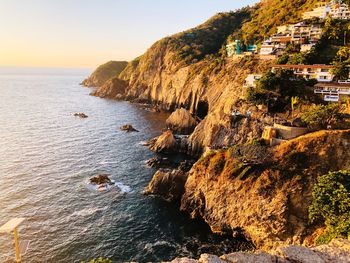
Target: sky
x=87, y=33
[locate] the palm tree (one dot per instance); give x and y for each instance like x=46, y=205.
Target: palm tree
x=294, y=101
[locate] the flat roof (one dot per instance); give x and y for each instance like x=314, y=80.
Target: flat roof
x=303, y=66
x=332, y=85
x=11, y=225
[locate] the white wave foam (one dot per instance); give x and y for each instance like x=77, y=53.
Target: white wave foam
x=123, y=188
x=88, y=211
x=150, y=246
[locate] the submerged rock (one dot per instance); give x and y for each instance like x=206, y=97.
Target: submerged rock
x=128, y=128
x=81, y=115
x=181, y=121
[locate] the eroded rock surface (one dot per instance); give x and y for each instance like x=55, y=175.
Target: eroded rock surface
x=181, y=121
x=168, y=184
x=267, y=198
x=112, y=89
x=165, y=143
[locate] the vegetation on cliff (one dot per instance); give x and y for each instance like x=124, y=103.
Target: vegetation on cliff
x=266, y=193
x=105, y=72
x=331, y=203
x=268, y=14
x=276, y=89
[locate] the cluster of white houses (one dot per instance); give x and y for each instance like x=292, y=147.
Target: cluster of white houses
x=333, y=9
x=305, y=33
x=326, y=87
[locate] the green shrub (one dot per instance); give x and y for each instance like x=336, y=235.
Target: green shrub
x=257, y=141
x=321, y=116
x=331, y=203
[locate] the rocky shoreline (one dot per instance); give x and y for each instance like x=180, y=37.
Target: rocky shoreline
x=336, y=251
x=239, y=182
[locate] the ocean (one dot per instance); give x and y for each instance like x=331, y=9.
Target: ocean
x=47, y=157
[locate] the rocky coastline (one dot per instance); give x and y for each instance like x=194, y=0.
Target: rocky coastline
x=238, y=184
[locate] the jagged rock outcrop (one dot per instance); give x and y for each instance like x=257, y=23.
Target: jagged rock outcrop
x=181, y=121
x=113, y=88
x=104, y=72
x=338, y=251
x=165, y=143
x=267, y=199
x=168, y=184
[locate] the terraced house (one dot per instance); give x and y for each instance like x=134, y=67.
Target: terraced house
x=333, y=9
x=319, y=72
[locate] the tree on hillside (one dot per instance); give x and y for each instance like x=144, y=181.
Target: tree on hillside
x=331, y=204
x=320, y=116
x=276, y=89
x=340, y=70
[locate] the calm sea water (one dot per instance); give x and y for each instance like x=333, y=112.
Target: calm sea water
x=46, y=157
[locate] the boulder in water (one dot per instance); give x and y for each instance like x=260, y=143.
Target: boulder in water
x=81, y=115
x=101, y=179
x=128, y=128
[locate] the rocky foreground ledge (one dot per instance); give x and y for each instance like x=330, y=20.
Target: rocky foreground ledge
x=338, y=251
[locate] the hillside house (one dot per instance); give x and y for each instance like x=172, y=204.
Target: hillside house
x=333, y=9
x=322, y=10
x=333, y=91
x=234, y=48
x=250, y=81
x=298, y=33
x=320, y=72
x=340, y=11
x=306, y=47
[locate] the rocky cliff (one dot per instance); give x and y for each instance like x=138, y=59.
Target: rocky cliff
x=191, y=70
x=261, y=192
x=105, y=72
x=265, y=193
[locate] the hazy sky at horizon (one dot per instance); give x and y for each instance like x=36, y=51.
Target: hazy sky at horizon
x=86, y=33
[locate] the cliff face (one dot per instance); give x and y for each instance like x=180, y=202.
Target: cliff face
x=113, y=88
x=190, y=70
x=242, y=189
x=105, y=72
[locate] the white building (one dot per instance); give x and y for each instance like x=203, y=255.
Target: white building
x=333, y=9
x=320, y=72
x=333, y=91
x=250, y=81
x=298, y=33
x=340, y=11
x=306, y=47
x=322, y=10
